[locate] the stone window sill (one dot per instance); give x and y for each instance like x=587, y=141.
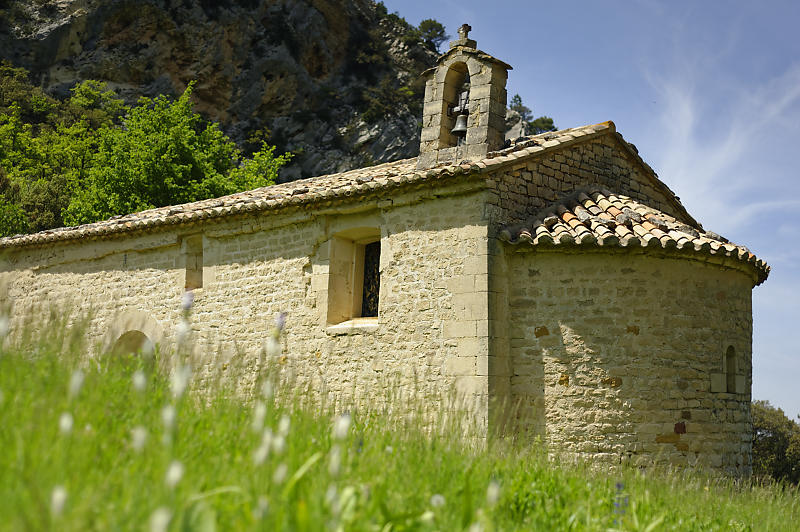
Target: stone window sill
x=354, y=326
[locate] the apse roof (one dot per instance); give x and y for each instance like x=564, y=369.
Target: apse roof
x=596, y=216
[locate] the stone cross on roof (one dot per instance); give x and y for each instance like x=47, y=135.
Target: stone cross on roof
x=463, y=38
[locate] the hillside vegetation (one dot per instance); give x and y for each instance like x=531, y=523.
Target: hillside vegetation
x=113, y=443
x=91, y=156
x=335, y=81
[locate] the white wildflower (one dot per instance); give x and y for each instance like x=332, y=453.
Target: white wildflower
x=427, y=517
x=262, y=508
x=335, y=461
x=330, y=494
x=332, y=498
x=278, y=444
x=476, y=527
x=75, y=383
x=437, y=500
x=272, y=347
x=266, y=390
x=259, y=413
x=180, y=379
x=139, y=380
x=492, y=493
x=280, y=474
x=262, y=452
x=283, y=425
x=341, y=426
x=182, y=331
x=65, y=423
x=174, y=474
x=4, y=326
x=148, y=350
x=168, y=416
x=57, y=500
x=138, y=438
x=389, y=449
x=159, y=520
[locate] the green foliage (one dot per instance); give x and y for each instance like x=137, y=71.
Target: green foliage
x=776, y=443
x=90, y=156
x=433, y=32
x=386, y=100
x=543, y=124
x=410, y=470
x=533, y=126
x=18, y=95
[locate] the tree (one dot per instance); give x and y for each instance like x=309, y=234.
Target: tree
x=46, y=147
x=164, y=154
x=90, y=156
x=533, y=126
x=776, y=443
x=433, y=33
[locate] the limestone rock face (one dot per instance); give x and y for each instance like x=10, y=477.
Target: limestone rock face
x=323, y=77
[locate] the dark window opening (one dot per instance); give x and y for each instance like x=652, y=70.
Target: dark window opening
x=730, y=370
x=372, y=280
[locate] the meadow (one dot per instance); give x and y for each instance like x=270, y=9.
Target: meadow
x=115, y=443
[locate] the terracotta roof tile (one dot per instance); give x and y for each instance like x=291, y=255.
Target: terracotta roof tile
x=595, y=216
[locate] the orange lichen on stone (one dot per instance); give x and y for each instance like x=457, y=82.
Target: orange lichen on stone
x=614, y=382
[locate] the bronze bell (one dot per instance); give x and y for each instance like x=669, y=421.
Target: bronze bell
x=461, y=110
x=460, y=128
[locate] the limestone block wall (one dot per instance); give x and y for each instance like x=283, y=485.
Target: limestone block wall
x=523, y=189
x=614, y=356
x=430, y=336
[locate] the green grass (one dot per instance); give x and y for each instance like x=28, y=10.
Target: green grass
x=394, y=474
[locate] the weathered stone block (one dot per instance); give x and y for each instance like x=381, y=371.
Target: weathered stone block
x=718, y=382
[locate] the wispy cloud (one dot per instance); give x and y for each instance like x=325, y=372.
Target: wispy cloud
x=718, y=141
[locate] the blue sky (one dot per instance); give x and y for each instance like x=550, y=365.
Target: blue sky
x=710, y=94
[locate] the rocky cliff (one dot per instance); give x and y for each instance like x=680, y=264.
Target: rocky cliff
x=335, y=81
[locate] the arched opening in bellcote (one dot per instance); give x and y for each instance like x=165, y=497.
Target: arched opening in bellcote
x=456, y=82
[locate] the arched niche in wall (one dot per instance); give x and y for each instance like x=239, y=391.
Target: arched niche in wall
x=454, y=79
x=132, y=331
x=132, y=343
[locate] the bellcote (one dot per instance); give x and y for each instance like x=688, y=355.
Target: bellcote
x=463, y=117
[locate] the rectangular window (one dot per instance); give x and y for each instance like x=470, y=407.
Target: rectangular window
x=354, y=275
x=193, y=256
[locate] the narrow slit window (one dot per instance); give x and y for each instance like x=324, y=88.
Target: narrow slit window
x=193, y=254
x=730, y=370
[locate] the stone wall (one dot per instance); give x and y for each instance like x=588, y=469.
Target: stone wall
x=613, y=355
x=430, y=336
x=524, y=188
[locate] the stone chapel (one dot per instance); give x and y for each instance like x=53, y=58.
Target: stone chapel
x=553, y=280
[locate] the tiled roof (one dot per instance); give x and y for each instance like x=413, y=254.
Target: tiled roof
x=598, y=217
x=309, y=191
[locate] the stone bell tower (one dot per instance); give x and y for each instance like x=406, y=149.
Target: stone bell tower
x=465, y=105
